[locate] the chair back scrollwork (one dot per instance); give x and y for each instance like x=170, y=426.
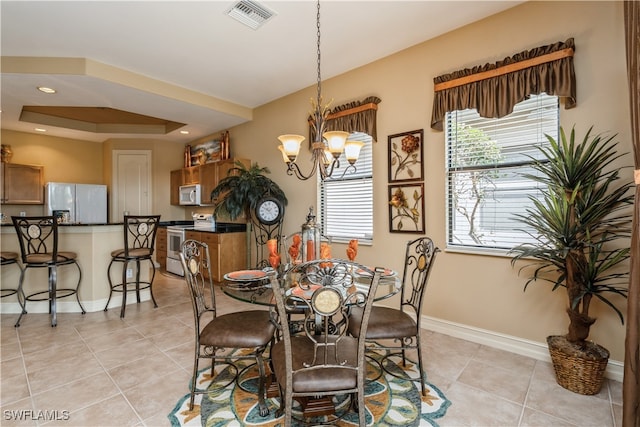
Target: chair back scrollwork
x=324, y=359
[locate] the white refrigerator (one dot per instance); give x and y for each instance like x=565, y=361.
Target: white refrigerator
x=86, y=203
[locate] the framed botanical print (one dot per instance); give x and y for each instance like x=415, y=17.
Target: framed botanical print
x=405, y=156
x=406, y=208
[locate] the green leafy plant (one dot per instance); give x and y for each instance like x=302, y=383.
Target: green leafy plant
x=238, y=193
x=581, y=226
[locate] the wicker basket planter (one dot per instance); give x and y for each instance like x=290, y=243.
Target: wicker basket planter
x=580, y=370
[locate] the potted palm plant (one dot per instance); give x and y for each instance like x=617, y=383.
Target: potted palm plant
x=580, y=226
x=238, y=193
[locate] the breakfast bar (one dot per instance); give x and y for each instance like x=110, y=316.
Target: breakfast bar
x=93, y=244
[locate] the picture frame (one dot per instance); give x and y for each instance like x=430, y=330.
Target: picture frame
x=406, y=156
x=206, y=152
x=406, y=208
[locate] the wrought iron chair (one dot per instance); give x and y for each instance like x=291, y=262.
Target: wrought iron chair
x=323, y=360
x=250, y=330
x=402, y=324
x=10, y=258
x=38, y=238
x=139, y=244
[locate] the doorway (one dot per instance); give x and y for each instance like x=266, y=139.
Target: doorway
x=131, y=183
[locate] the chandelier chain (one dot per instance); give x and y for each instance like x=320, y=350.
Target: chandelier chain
x=319, y=87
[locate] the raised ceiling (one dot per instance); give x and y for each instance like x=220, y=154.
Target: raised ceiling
x=188, y=62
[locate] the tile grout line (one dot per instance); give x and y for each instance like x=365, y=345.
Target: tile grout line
x=526, y=395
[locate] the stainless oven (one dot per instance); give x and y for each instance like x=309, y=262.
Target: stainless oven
x=175, y=238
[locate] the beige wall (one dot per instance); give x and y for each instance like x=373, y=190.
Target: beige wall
x=482, y=292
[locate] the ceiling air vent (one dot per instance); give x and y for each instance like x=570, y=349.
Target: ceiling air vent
x=250, y=13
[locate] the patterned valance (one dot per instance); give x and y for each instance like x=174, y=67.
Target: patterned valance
x=356, y=116
x=494, y=89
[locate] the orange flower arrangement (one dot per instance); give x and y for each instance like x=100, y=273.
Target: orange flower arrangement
x=352, y=249
x=274, y=256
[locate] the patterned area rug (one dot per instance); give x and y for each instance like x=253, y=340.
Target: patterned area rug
x=390, y=401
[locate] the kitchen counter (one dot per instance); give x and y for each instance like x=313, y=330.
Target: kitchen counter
x=221, y=227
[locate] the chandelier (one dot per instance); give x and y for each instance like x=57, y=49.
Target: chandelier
x=327, y=147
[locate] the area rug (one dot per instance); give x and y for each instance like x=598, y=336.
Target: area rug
x=390, y=401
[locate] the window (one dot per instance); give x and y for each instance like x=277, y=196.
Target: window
x=485, y=160
x=346, y=202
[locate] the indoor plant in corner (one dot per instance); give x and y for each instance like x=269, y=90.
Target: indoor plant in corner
x=580, y=226
x=239, y=192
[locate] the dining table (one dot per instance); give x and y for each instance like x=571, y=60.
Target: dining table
x=254, y=287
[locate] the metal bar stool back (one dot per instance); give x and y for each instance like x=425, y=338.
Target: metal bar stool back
x=139, y=244
x=38, y=238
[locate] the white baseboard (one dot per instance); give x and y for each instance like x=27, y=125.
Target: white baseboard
x=535, y=350
x=70, y=305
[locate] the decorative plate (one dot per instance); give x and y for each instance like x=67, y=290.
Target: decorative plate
x=304, y=293
x=245, y=275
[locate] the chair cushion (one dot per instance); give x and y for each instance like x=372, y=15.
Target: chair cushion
x=317, y=380
x=48, y=257
x=133, y=253
x=384, y=322
x=243, y=329
x=9, y=256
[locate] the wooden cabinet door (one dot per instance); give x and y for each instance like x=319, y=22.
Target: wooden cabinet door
x=227, y=252
x=22, y=184
x=191, y=175
x=234, y=249
x=193, y=235
x=208, y=181
x=176, y=182
x=161, y=247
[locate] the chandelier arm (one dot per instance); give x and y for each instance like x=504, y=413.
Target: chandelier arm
x=294, y=169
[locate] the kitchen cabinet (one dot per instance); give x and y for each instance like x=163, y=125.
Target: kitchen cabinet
x=228, y=251
x=207, y=175
x=22, y=184
x=161, y=247
x=208, y=181
x=176, y=182
x=191, y=175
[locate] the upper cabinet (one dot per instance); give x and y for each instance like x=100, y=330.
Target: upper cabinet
x=22, y=184
x=207, y=175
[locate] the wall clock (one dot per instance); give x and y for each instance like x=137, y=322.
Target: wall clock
x=269, y=210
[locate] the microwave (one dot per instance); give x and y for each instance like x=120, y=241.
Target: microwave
x=190, y=194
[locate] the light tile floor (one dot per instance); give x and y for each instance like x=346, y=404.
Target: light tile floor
x=101, y=370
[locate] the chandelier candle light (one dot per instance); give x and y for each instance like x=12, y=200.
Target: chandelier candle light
x=327, y=147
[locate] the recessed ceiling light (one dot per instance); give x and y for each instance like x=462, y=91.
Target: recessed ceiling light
x=40, y=130
x=46, y=89
x=184, y=132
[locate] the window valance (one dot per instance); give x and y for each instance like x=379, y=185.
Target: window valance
x=356, y=116
x=494, y=89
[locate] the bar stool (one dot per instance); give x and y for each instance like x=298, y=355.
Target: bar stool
x=38, y=238
x=10, y=258
x=139, y=243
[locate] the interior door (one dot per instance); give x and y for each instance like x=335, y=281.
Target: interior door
x=131, y=183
